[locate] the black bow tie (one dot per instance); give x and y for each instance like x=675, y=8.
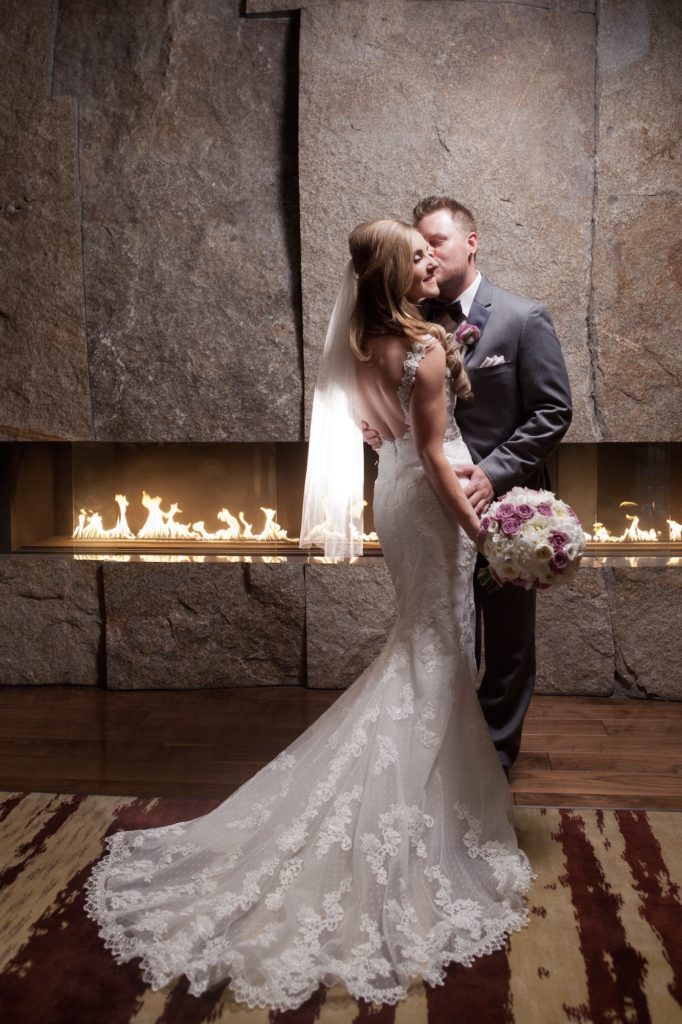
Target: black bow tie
x=435, y=309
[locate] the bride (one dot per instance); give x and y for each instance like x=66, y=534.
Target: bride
x=379, y=847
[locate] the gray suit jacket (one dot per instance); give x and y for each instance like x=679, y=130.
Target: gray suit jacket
x=521, y=408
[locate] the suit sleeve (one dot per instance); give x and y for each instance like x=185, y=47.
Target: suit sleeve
x=545, y=400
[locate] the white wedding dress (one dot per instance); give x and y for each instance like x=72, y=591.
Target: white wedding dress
x=379, y=846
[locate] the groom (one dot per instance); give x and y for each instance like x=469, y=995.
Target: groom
x=520, y=410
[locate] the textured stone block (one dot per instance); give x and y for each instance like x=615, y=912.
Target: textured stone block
x=44, y=389
x=574, y=637
x=639, y=97
x=646, y=610
x=51, y=629
x=637, y=332
x=187, y=159
x=177, y=626
x=493, y=103
x=636, y=275
x=349, y=612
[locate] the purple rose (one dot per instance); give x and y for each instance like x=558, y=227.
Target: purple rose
x=559, y=561
x=558, y=539
x=505, y=510
x=510, y=525
x=525, y=512
x=484, y=530
x=544, y=508
x=467, y=334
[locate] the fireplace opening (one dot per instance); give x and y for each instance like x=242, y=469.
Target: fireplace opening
x=243, y=501
x=126, y=499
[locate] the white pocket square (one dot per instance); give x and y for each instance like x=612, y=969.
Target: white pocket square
x=491, y=361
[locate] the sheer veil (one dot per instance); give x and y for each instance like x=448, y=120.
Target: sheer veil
x=333, y=496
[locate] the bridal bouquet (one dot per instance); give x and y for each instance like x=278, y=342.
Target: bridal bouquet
x=531, y=539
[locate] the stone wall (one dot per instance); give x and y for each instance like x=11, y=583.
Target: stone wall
x=44, y=382
x=153, y=156
x=158, y=625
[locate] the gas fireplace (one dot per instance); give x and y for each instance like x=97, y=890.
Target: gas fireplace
x=243, y=501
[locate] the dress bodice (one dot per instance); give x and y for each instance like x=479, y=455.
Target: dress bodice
x=410, y=365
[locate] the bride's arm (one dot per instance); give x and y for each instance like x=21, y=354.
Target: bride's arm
x=428, y=413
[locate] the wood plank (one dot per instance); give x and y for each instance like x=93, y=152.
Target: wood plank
x=651, y=727
x=577, y=726
x=615, y=708
x=654, y=763
x=594, y=789
x=604, y=800
x=635, y=701
x=553, y=743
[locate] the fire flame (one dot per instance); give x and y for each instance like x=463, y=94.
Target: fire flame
x=601, y=534
x=162, y=525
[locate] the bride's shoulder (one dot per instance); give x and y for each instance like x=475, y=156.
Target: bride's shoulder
x=429, y=362
x=386, y=349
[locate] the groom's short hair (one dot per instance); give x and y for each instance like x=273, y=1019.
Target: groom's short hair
x=433, y=203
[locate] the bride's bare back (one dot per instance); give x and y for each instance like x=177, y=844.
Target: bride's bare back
x=378, y=382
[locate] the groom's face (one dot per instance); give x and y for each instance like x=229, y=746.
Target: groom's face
x=453, y=247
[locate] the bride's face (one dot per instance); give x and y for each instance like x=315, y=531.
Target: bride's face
x=424, y=284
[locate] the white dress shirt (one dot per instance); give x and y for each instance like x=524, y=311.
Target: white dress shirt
x=468, y=295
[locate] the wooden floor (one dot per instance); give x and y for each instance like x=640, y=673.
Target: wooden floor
x=577, y=751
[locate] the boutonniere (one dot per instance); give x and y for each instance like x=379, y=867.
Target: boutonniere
x=467, y=334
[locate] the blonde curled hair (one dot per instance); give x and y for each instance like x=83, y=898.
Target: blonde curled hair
x=382, y=254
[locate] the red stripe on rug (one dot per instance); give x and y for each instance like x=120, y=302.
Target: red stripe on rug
x=8, y=805
x=182, y=1008
x=479, y=994
x=368, y=1013
x=308, y=1013
x=64, y=975
x=141, y=814
x=615, y=971
x=36, y=845
x=661, y=906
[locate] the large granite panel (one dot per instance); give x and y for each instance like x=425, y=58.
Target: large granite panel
x=493, y=103
x=51, y=628
x=349, y=611
x=44, y=388
x=637, y=277
x=646, y=609
x=187, y=157
x=192, y=626
x=640, y=96
x=575, y=652
x=638, y=379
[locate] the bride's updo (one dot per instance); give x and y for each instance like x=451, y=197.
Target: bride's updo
x=382, y=254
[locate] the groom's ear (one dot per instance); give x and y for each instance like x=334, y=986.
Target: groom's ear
x=472, y=243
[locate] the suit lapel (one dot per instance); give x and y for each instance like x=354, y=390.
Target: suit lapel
x=479, y=313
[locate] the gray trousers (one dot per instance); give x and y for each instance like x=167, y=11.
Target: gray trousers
x=506, y=618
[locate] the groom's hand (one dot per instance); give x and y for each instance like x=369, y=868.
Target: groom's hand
x=371, y=436
x=478, y=488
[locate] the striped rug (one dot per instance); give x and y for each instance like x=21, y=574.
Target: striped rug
x=604, y=945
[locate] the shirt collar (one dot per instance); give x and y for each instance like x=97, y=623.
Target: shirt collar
x=468, y=295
